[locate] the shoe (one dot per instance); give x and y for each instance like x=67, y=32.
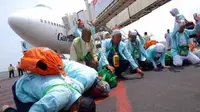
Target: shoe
x=121, y=77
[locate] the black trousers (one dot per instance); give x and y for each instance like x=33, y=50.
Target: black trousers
x=20, y=71
x=11, y=73
x=146, y=66
x=123, y=66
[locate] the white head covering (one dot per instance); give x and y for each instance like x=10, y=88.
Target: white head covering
x=174, y=11
x=104, y=33
x=133, y=33
x=160, y=47
x=116, y=32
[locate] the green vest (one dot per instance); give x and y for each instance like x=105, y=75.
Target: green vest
x=183, y=50
x=136, y=50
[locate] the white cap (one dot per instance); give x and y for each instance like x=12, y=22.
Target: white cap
x=160, y=47
x=116, y=32
x=133, y=33
x=105, y=33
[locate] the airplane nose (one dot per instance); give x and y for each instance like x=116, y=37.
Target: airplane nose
x=18, y=22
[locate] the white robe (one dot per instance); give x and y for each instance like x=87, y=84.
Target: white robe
x=168, y=40
x=77, y=53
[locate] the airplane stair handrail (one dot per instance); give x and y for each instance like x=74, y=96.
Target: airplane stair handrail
x=66, y=23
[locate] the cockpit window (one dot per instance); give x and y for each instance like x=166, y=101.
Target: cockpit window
x=51, y=23
x=54, y=24
x=48, y=22
x=45, y=21
x=41, y=20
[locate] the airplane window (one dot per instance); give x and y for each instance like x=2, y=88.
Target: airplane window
x=51, y=23
x=54, y=24
x=41, y=20
x=48, y=22
x=57, y=24
x=45, y=21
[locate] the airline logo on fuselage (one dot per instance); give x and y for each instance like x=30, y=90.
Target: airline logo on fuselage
x=62, y=37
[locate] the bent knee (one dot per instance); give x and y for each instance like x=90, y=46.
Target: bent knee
x=177, y=61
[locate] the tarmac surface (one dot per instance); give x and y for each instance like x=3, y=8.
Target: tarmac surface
x=173, y=90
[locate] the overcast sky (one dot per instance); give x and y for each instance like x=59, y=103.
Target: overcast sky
x=156, y=23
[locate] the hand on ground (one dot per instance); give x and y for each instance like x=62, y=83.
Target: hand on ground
x=166, y=66
x=140, y=72
x=111, y=68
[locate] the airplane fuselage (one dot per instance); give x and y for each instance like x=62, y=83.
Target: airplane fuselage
x=40, y=26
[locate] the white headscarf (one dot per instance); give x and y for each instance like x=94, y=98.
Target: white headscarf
x=175, y=11
x=160, y=47
x=116, y=32
x=133, y=33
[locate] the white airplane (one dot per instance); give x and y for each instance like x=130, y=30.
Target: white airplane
x=40, y=26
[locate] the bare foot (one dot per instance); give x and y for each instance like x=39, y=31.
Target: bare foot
x=4, y=108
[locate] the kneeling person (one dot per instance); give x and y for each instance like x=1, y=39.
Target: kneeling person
x=180, y=47
x=115, y=56
x=156, y=54
x=82, y=50
x=135, y=47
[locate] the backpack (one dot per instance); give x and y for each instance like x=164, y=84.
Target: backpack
x=191, y=46
x=108, y=76
x=43, y=61
x=150, y=43
x=168, y=59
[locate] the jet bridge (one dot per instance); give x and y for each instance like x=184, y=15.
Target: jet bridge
x=134, y=12
x=124, y=12
x=111, y=11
